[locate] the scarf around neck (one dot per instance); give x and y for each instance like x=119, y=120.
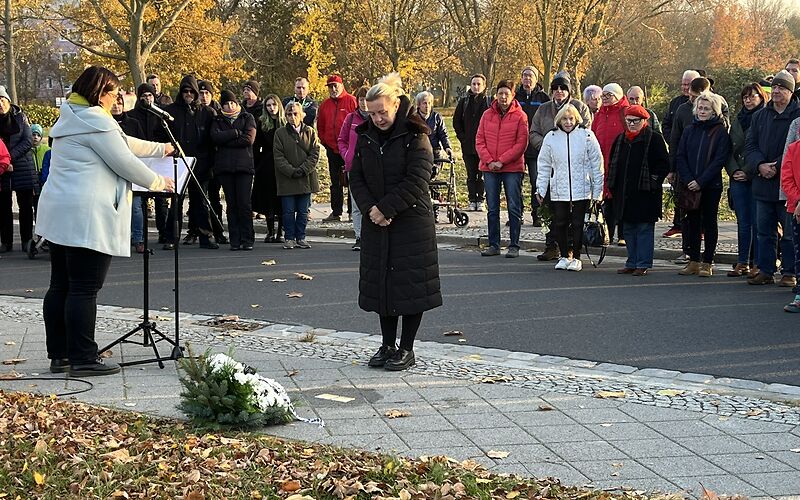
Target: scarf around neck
x=79, y=100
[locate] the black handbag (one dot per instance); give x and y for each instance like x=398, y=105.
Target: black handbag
x=595, y=233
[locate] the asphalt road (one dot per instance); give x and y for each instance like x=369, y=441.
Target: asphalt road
x=720, y=326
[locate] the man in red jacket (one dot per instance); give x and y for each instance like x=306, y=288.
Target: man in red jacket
x=332, y=113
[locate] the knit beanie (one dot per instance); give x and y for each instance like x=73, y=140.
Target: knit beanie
x=37, y=129
x=145, y=88
x=637, y=111
x=254, y=86
x=561, y=80
x=4, y=93
x=615, y=89
x=783, y=79
x=205, y=85
x=227, y=96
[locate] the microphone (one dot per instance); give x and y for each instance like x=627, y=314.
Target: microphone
x=159, y=112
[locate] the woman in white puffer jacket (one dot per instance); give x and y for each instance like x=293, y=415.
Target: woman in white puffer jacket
x=571, y=167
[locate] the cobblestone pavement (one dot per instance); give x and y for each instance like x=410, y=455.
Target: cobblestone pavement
x=654, y=430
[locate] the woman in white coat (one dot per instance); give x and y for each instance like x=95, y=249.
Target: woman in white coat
x=571, y=166
x=85, y=215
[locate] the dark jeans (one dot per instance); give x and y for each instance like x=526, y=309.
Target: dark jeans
x=70, y=305
x=745, y=207
x=25, y=203
x=238, y=189
x=295, y=215
x=639, y=237
x=702, y=224
x=162, y=212
x=531, y=165
x=475, y=186
x=568, y=219
x=511, y=182
x=768, y=215
x=335, y=169
x=411, y=324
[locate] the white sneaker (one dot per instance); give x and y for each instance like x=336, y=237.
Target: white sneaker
x=563, y=263
x=575, y=265
x=473, y=206
x=479, y=206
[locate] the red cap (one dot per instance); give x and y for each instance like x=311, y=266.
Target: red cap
x=334, y=79
x=637, y=111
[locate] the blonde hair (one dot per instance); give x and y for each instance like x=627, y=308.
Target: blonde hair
x=568, y=109
x=390, y=86
x=714, y=100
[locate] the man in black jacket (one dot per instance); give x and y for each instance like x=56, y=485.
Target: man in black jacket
x=466, y=118
x=310, y=106
x=160, y=99
x=530, y=96
x=763, y=147
x=214, y=187
x=191, y=128
x=666, y=126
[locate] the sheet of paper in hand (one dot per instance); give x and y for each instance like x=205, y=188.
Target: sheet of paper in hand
x=163, y=166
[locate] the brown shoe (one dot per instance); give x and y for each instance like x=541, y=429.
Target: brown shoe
x=626, y=270
x=739, y=270
x=549, y=254
x=761, y=279
x=693, y=267
x=788, y=281
x=706, y=270
x=753, y=272
x=641, y=271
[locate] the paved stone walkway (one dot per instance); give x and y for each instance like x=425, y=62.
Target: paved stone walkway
x=664, y=431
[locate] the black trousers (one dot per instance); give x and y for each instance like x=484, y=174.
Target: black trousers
x=161, y=214
x=475, y=187
x=703, y=221
x=568, y=222
x=216, y=205
x=335, y=169
x=70, y=305
x=199, y=220
x=25, y=203
x=238, y=188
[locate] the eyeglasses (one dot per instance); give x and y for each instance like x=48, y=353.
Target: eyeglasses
x=751, y=97
x=187, y=91
x=608, y=95
x=560, y=87
x=633, y=121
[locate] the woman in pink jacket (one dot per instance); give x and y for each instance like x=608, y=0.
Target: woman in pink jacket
x=501, y=142
x=790, y=184
x=347, y=148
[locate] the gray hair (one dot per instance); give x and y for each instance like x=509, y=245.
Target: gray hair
x=295, y=104
x=423, y=96
x=690, y=74
x=711, y=98
x=591, y=89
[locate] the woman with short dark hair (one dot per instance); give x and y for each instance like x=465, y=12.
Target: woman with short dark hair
x=752, y=99
x=85, y=215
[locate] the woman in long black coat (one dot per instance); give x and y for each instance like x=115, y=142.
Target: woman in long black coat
x=265, y=191
x=638, y=165
x=399, y=272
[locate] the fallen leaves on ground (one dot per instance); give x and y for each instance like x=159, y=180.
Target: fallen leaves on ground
x=497, y=454
x=270, y=262
x=453, y=333
x=279, y=280
x=670, y=392
x=14, y=361
x=397, y=413
x=12, y=375
x=609, y=394
x=255, y=306
x=10, y=342
x=494, y=379
x=294, y=295
x=106, y=354
x=545, y=408
x=303, y=276
x=755, y=412
x=83, y=451
x=292, y=373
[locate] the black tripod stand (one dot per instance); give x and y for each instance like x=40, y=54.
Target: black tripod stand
x=151, y=334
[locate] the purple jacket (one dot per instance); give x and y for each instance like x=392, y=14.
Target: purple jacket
x=348, y=137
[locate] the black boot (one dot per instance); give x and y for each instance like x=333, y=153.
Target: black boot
x=382, y=356
x=94, y=368
x=401, y=360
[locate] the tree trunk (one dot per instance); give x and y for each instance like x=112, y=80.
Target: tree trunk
x=11, y=77
x=136, y=64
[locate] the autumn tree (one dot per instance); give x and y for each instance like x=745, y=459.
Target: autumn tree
x=170, y=36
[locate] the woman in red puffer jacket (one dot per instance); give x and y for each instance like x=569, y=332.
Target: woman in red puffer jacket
x=501, y=142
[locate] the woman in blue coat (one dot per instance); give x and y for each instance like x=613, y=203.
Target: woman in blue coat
x=15, y=132
x=703, y=152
